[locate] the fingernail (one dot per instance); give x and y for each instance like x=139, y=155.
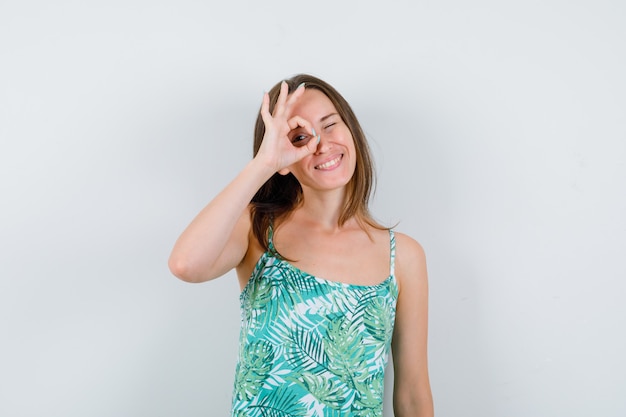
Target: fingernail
x=301, y=85
x=314, y=134
x=319, y=137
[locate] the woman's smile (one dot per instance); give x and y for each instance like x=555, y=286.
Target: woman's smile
x=330, y=164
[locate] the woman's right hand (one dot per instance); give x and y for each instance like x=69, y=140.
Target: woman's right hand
x=277, y=149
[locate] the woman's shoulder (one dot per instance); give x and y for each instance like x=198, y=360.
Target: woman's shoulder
x=410, y=258
x=407, y=244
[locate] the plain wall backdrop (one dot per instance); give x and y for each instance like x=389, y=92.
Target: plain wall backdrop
x=499, y=134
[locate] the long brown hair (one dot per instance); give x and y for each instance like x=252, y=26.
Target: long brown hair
x=282, y=193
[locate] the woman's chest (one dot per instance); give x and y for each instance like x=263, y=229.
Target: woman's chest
x=352, y=259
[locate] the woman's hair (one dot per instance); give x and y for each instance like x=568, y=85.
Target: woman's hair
x=282, y=193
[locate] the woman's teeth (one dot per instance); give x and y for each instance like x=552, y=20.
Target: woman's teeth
x=329, y=164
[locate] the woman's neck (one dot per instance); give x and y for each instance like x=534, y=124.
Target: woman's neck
x=322, y=209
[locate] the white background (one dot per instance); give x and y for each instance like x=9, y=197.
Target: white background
x=499, y=132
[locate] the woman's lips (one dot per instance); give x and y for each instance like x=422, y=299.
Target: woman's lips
x=330, y=164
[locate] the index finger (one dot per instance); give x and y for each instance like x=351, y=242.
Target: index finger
x=292, y=98
x=282, y=98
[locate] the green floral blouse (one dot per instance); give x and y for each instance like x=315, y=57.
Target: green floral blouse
x=312, y=347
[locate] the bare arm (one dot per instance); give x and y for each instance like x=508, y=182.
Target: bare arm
x=412, y=395
x=216, y=241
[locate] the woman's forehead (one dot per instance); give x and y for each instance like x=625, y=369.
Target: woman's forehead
x=315, y=104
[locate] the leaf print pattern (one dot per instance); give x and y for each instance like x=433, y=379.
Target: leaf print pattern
x=306, y=351
x=253, y=369
x=312, y=347
x=377, y=319
x=344, y=345
x=327, y=391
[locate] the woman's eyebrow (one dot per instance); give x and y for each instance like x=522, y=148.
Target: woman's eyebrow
x=328, y=116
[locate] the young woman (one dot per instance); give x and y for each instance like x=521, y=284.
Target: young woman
x=326, y=290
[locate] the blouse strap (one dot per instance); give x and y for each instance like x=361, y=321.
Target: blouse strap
x=270, y=237
x=392, y=257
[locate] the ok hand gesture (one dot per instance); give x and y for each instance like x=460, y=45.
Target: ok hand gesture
x=277, y=149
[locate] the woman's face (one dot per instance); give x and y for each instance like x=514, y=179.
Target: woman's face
x=334, y=161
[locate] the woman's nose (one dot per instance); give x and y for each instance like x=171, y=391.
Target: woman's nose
x=322, y=146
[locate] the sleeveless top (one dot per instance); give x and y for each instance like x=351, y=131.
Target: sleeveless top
x=310, y=346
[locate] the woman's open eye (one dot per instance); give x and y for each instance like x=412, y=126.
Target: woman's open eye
x=300, y=140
